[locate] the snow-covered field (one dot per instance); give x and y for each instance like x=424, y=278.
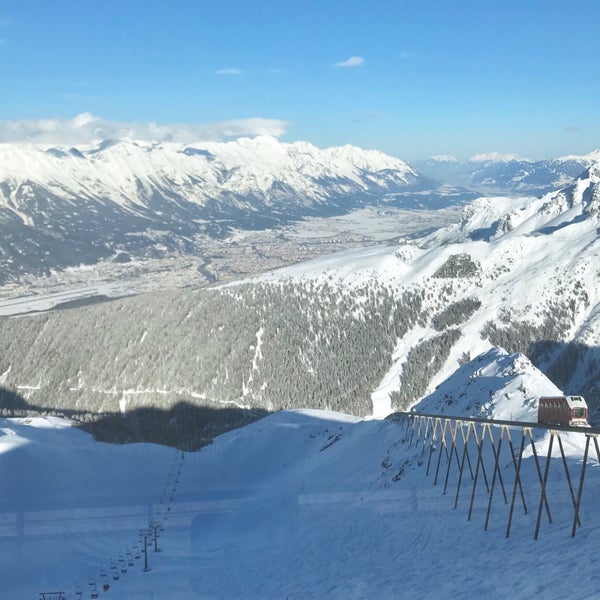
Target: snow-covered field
x=302, y=504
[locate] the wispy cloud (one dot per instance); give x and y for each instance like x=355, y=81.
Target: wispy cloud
x=353, y=61
x=86, y=128
x=573, y=128
x=404, y=55
x=3, y=42
x=229, y=71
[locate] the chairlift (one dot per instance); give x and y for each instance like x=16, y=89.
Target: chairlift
x=94, y=593
x=106, y=585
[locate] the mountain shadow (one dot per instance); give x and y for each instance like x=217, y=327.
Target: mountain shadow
x=184, y=425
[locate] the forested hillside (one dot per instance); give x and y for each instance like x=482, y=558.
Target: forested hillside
x=254, y=345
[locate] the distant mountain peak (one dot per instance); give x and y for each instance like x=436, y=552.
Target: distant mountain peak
x=497, y=157
x=443, y=158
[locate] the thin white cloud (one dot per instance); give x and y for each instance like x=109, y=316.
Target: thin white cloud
x=4, y=22
x=404, y=54
x=229, y=71
x=3, y=42
x=353, y=61
x=86, y=128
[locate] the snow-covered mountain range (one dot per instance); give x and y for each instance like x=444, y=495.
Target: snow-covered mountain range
x=495, y=173
x=301, y=504
x=63, y=206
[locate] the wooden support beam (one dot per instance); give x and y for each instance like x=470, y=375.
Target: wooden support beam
x=465, y=438
x=566, y=468
x=496, y=470
x=479, y=464
x=543, y=495
x=452, y=452
x=443, y=444
x=581, y=478
x=539, y=472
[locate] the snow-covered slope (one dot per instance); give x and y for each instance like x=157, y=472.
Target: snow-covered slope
x=299, y=505
x=494, y=385
x=66, y=206
x=518, y=273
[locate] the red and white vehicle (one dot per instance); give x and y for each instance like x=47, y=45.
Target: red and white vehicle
x=563, y=410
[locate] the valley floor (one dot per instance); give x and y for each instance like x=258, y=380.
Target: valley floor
x=243, y=254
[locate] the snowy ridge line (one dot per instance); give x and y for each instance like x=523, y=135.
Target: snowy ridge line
x=488, y=445
x=570, y=428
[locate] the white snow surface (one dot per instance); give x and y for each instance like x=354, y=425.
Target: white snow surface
x=299, y=505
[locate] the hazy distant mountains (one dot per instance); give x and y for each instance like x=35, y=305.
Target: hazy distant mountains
x=507, y=174
x=67, y=206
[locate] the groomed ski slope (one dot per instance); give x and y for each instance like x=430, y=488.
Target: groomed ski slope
x=302, y=504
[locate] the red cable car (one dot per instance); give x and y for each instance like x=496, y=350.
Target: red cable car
x=563, y=410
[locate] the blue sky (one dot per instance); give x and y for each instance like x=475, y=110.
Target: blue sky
x=413, y=78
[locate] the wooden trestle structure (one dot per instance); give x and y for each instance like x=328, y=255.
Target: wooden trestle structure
x=463, y=441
